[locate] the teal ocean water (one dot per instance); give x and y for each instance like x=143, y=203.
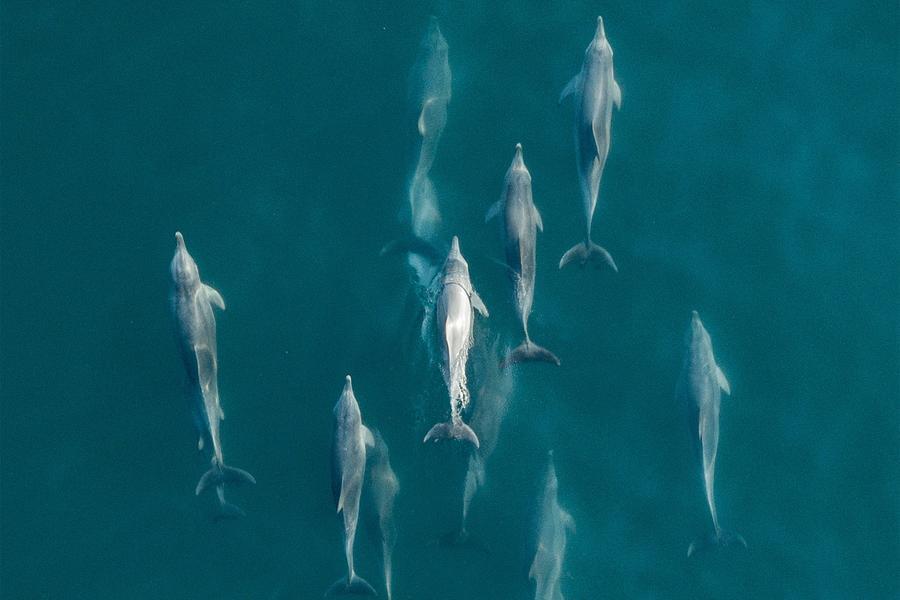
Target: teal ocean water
x=753, y=176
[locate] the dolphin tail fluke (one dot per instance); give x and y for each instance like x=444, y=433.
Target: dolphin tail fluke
x=412, y=245
x=528, y=351
x=452, y=431
x=588, y=251
x=713, y=540
x=355, y=585
x=220, y=475
x=229, y=511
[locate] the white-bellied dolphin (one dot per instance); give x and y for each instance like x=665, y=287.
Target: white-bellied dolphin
x=192, y=302
x=348, y=470
x=455, y=313
x=700, y=390
x=595, y=92
x=554, y=526
x=520, y=220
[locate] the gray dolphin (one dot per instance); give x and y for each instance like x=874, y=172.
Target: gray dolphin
x=192, y=302
x=384, y=487
x=456, y=305
x=595, y=90
x=519, y=224
x=554, y=525
x=700, y=392
x=429, y=92
x=348, y=470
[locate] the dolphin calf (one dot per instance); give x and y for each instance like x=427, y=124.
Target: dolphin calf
x=384, y=487
x=348, y=469
x=554, y=526
x=429, y=93
x=456, y=305
x=595, y=91
x=192, y=302
x=700, y=390
x=519, y=224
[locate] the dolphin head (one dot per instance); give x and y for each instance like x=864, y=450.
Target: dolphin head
x=434, y=39
x=600, y=45
x=518, y=160
x=184, y=269
x=697, y=338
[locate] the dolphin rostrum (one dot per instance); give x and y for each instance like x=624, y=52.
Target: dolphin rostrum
x=595, y=91
x=456, y=305
x=384, y=487
x=700, y=392
x=520, y=221
x=192, y=302
x=553, y=528
x=348, y=470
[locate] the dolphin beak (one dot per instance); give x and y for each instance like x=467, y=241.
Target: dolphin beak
x=179, y=241
x=601, y=33
x=454, y=246
x=348, y=384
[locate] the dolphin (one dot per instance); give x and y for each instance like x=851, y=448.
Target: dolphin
x=595, y=91
x=192, y=302
x=554, y=525
x=519, y=226
x=384, y=487
x=348, y=469
x=700, y=390
x=429, y=93
x=456, y=304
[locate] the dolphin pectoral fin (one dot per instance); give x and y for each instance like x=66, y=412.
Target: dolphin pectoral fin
x=722, y=381
x=478, y=304
x=616, y=94
x=570, y=87
x=368, y=437
x=213, y=297
x=538, y=220
x=493, y=211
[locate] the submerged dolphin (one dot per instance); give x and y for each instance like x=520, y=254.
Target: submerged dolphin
x=456, y=305
x=192, y=302
x=595, y=90
x=384, y=487
x=554, y=526
x=520, y=221
x=700, y=391
x=348, y=469
x=429, y=93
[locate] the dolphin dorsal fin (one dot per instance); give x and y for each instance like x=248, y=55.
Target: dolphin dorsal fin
x=423, y=129
x=213, y=297
x=616, y=94
x=722, y=381
x=570, y=87
x=340, y=504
